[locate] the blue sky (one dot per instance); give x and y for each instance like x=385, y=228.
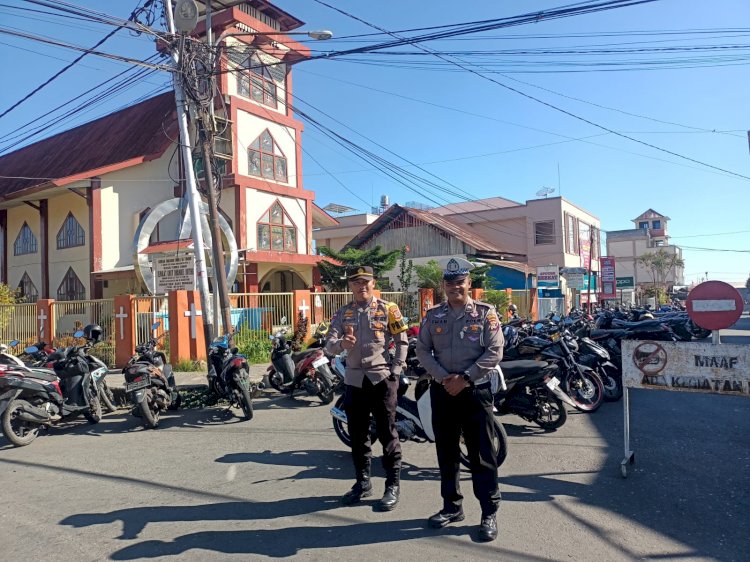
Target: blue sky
x=476, y=136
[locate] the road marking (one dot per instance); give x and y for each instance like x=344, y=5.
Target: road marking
x=709, y=305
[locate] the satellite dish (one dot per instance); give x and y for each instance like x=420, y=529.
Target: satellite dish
x=545, y=191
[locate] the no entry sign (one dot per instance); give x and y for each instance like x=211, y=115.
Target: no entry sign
x=714, y=305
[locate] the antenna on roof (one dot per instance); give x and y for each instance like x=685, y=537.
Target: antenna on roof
x=335, y=208
x=545, y=191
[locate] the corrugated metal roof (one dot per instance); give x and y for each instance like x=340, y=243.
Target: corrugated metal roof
x=144, y=130
x=457, y=230
x=475, y=206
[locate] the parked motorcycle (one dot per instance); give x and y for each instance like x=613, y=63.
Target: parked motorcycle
x=149, y=383
x=306, y=370
x=414, y=420
x=580, y=382
x=229, y=376
x=34, y=398
x=531, y=390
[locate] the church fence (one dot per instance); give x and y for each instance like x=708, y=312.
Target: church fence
x=75, y=315
x=19, y=322
x=256, y=315
x=148, y=311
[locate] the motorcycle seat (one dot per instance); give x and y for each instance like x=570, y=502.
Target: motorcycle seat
x=642, y=325
x=298, y=355
x=600, y=334
x=521, y=368
x=41, y=374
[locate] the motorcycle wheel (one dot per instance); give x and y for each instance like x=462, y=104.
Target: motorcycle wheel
x=107, y=398
x=327, y=394
x=150, y=417
x=94, y=411
x=585, y=389
x=242, y=395
x=612, y=385
x=276, y=381
x=551, y=412
x=340, y=427
x=499, y=445
x=20, y=433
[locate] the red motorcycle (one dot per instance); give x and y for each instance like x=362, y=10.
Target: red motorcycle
x=307, y=370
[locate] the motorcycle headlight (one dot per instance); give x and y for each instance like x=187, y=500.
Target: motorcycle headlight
x=573, y=345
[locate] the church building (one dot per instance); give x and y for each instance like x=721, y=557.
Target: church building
x=70, y=204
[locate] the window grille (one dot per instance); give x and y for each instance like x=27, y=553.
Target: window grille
x=27, y=291
x=71, y=234
x=71, y=288
x=25, y=242
x=544, y=232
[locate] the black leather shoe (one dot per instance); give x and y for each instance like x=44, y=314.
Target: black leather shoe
x=390, y=497
x=362, y=489
x=488, y=528
x=443, y=518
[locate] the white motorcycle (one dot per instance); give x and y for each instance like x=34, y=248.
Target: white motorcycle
x=413, y=418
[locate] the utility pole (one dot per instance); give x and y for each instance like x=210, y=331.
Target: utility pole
x=191, y=192
x=217, y=247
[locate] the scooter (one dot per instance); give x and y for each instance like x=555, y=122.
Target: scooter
x=229, y=376
x=414, y=420
x=149, y=382
x=307, y=370
x=34, y=398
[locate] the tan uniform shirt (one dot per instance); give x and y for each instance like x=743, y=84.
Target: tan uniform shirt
x=374, y=324
x=454, y=342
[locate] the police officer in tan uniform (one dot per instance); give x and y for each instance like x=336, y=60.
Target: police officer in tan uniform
x=460, y=341
x=365, y=328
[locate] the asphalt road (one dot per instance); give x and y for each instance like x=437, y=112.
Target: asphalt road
x=206, y=486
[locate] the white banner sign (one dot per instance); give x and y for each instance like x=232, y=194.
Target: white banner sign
x=174, y=273
x=575, y=281
x=693, y=366
x=548, y=277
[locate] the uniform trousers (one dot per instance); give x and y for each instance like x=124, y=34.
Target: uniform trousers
x=378, y=400
x=469, y=413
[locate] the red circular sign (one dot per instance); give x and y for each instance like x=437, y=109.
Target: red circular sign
x=714, y=305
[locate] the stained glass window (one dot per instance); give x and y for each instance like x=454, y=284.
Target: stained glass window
x=266, y=160
x=276, y=231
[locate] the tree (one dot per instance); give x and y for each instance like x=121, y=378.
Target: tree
x=480, y=277
x=7, y=296
x=499, y=299
x=659, y=265
x=430, y=276
x=409, y=302
x=333, y=275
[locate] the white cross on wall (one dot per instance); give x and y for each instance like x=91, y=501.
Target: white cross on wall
x=42, y=317
x=121, y=315
x=303, y=308
x=192, y=313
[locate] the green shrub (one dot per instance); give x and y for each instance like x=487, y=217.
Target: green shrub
x=256, y=350
x=499, y=299
x=188, y=366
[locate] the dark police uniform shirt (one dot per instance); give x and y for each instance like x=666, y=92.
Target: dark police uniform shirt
x=374, y=324
x=455, y=342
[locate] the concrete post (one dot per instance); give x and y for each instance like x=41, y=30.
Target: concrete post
x=45, y=320
x=302, y=304
x=186, y=337
x=426, y=301
x=125, y=331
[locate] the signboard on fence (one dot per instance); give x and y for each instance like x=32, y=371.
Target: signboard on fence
x=625, y=282
x=174, y=273
x=693, y=366
x=548, y=277
x=575, y=280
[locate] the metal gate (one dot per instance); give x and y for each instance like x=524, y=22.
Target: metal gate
x=75, y=315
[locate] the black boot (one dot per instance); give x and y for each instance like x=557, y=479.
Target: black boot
x=488, y=528
x=392, y=490
x=361, y=489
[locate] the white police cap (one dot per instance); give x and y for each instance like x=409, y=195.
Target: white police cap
x=455, y=268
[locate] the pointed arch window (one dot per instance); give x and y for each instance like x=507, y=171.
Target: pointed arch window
x=27, y=291
x=276, y=231
x=265, y=159
x=71, y=288
x=71, y=234
x=257, y=80
x=25, y=242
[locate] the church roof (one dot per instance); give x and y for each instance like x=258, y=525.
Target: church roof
x=128, y=137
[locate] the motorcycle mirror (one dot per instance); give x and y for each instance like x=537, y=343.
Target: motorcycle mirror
x=31, y=349
x=568, y=321
x=14, y=343
x=283, y=319
x=78, y=334
x=271, y=336
x=155, y=325
x=538, y=326
x=555, y=318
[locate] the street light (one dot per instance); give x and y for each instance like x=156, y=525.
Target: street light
x=317, y=34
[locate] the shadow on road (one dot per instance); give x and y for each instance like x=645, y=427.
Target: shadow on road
x=278, y=543
x=322, y=464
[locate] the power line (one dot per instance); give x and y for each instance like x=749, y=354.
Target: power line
x=461, y=64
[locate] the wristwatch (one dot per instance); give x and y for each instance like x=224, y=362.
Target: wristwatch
x=467, y=378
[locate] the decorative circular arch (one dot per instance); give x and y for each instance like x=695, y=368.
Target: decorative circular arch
x=142, y=263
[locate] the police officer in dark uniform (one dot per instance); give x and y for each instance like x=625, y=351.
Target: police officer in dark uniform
x=365, y=328
x=460, y=341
